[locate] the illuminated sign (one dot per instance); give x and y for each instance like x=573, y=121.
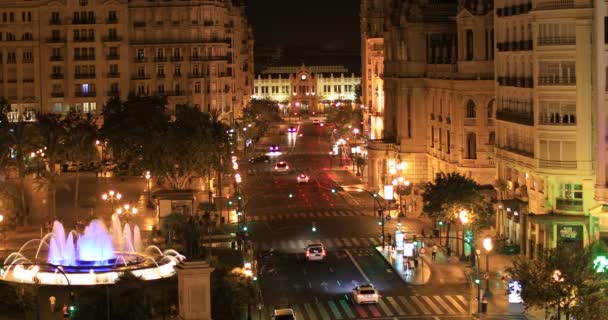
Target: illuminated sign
x=600, y=264
x=388, y=192
x=514, y=289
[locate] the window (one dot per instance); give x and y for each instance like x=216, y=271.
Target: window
x=471, y=151
x=112, y=15
x=28, y=57
x=112, y=34
x=471, y=110
x=197, y=87
x=491, y=109
x=140, y=54
x=469, y=44
x=571, y=191
x=176, y=53
x=11, y=57
x=27, y=36
x=161, y=89
x=12, y=17
x=177, y=70
x=83, y=2
x=448, y=141
x=89, y=107
x=432, y=137
x=492, y=138
x=85, y=88
x=56, y=70
x=10, y=36
x=141, y=72
x=195, y=52
x=113, y=51
x=4, y=17
x=196, y=69
x=114, y=88
x=91, y=34
x=55, y=16
x=113, y=68
x=141, y=90
x=160, y=52
x=56, y=52
x=160, y=71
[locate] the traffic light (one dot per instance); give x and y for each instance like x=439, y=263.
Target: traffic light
x=333, y=190
x=477, y=281
x=375, y=195
x=441, y=223
x=229, y=202
x=240, y=198
x=380, y=222
x=314, y=227
x=290, y=195
x=245, y=228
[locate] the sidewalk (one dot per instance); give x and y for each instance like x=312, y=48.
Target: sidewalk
x=410, y=274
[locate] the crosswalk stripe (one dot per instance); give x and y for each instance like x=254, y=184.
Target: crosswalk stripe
x=462, y=299
x=302, y=215
x=338, y=242
x=314, y=214
x=321, y=308
x=365, y=242
x=339, y=213
x=444, y=305
x=346, y=242
x=303, y=243
x=293, y=244
x=326, y=214
x=355, y=242
x=349, y=213
x=310, y=311
x=361, y=311
x=420, y=305
x=410, y=308
x=455, y=304
x=374, y=241
x=395, y=305
x=432, y=305
x=335, y=310
x=374, y=311
x=297, y=311
x=346, y=309
x=328, y=243
x=384, y=307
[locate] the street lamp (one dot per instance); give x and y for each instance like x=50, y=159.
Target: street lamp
x=487, y=245
x=127, y=210
x=111, y=196
x=148, y=176
x=558, y=277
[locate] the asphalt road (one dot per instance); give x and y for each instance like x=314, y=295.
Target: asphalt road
x=280, y=216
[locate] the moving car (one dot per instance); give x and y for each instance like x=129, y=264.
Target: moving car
x=365, y=293
x=302, y=178
x=315, y=251
x=283, y=314
x=273, y=148
x=262, y=158
x=321, y=124
x=281, y=167
x=315, y=121
x=292, y=130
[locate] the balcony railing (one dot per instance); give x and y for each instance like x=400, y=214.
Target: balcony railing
x=112, y=39
x=113, y=57
x=84, y=76
x=470, y=122
x=195, y=75
x=556, y=41
x=80, y=94
x=521, y=117
x=177, y=58
x=196, y=58
x=569, y=204
x=141, y=77
x=57, y=94
x=557, y=164
x=515, y=45
x=114, y=75
x=55, y=21
x=56, y=58
x=175, y=93
x=521, y=82
x=139, y=60
x=160, y=59
x=84, y=39
x=557, y=119
x=55, y=39
x=112, y=20
x=113, y=93
x=82, y=58
x=555, y=4
x=514, y=10
x=557, y=81
x=56, y=76
x=84, y=21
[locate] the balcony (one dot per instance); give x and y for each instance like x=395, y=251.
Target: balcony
x=56, y=76
x=80, y=94
x=160, y=75
x=523, y=45
x=557, y=164
x=55, y=39
x=141, y=77
x=84, y=58
x=387, y=144
x=113, y=93
x=112, y=39
x=140, y=60
x=556, y=41
x=520, y=117
x=177, y=58
x=555, y=4
x=112, y=20
x=432, y=116
x=84, y=39
x=177, y=75
x=569, y=204
x=195, y=75
x=160, y=59
x=557, y=81
x=175, y=93
x=55, y=22
x=114, y=75
x=470, y=122
x=139, y=24
x=514, y=10
x=84, y=76
x=84, y=21
x=56, y=58
x=556, y=119
x=196, y=58
x=113, y=57
x=57, y=94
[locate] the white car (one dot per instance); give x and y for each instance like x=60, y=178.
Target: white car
x=302, y=178
x=283, y=314
x=365, y=293
x=281, y=167
x=315, y=252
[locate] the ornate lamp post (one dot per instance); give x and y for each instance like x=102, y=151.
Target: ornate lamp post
x=148, y=177
x=111, y=196
x=487, y=245
x=127, y=210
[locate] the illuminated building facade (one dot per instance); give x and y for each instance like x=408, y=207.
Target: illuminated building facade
x=306, y=88
x=58, y=56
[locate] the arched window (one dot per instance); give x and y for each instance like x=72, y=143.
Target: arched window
x=471, y=112
x=471, y=146
x=491, y=109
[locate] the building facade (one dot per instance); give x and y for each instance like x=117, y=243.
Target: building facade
x=74, y=54
x=306, y=88
x=503, y=92
x=439, y=113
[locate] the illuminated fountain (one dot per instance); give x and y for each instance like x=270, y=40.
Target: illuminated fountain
x=93, y=257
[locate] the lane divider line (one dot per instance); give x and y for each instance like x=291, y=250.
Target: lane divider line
x=357, y=266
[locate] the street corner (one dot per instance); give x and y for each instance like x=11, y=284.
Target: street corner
x=412, y=270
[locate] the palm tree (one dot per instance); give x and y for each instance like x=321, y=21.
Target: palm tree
x=51, y=136
x=131, y=297
x=50, y=181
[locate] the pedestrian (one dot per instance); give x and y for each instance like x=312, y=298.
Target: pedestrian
x=66, y=313
x=52, y=301
x=390, y=240
x=449, y=251
x=434, y=253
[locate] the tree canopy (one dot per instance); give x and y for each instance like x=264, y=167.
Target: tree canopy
x=343, y=116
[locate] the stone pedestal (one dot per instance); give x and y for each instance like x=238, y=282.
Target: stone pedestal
x=194, y=289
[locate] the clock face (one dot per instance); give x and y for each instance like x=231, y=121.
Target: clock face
x=303, y=77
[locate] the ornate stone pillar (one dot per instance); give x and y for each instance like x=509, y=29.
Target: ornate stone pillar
x=194, y=290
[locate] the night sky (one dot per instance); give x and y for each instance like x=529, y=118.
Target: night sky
x=324, y=23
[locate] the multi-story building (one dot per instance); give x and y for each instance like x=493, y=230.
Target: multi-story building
x=545, y=122
x=372, y=65
x=439, y=88
x=311, y=88
x=74, y=55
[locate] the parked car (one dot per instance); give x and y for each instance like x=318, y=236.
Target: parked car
x=283, y=314
x=262, y=158
x=365, y=293
x=108, y=165
x=71, y=166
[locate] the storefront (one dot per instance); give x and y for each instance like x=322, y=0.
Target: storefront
x=547, y=231
x=510, y=222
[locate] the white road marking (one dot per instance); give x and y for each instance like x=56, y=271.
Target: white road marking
x=357, y=265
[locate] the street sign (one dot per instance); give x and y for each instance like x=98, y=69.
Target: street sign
x=486, y=276
x=388, y=217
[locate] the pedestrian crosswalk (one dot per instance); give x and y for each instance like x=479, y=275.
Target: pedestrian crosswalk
x=389, y=306
x=307, y=214
x=270, y=169
x=329, y=243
